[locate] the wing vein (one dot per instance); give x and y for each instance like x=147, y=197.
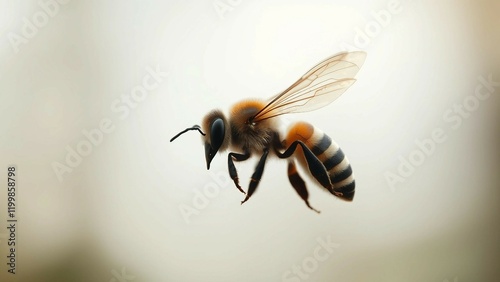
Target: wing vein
x=320, y=86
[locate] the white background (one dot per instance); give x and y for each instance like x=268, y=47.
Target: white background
x=120, y=209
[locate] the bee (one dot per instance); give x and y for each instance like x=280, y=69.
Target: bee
x=252, y=129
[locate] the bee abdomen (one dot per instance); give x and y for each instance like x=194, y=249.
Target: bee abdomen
x=329, y=153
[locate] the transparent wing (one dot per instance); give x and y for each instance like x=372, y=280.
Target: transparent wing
x=317, y=88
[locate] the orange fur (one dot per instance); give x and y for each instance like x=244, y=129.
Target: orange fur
x=300, y=131
x=238, y=107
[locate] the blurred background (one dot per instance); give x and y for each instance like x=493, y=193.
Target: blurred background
x=92, y=91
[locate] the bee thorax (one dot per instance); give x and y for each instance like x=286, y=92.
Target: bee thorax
x=254, y=138
x=247, y=134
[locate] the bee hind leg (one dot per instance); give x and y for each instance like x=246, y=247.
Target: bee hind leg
x=254, y=181
x=314, y=165
x=298, y=184
x=232, y=168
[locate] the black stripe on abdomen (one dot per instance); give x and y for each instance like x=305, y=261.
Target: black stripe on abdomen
x=339, y=170
x=347, y=191
x=322, y=145
x=334, y=160
x=343, y=175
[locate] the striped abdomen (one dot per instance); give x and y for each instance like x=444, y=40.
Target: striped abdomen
x=328, y=152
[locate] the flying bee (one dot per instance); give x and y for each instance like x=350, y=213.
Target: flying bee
x=252, y=129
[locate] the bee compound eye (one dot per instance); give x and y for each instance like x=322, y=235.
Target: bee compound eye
x=217, y=132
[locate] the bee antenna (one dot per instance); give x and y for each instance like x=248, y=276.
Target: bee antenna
x=195, y=127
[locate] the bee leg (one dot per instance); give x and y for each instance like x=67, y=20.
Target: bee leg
x=254, y=181
x=315, y=166
x=298, y=184
x=232, y=169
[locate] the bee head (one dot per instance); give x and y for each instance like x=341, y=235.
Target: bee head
x=216, y=137
x=216, y=127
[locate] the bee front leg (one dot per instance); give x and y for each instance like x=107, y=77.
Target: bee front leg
x=232, y=168
x=254, y=182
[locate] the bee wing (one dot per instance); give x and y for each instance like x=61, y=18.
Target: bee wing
x=317, y=88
